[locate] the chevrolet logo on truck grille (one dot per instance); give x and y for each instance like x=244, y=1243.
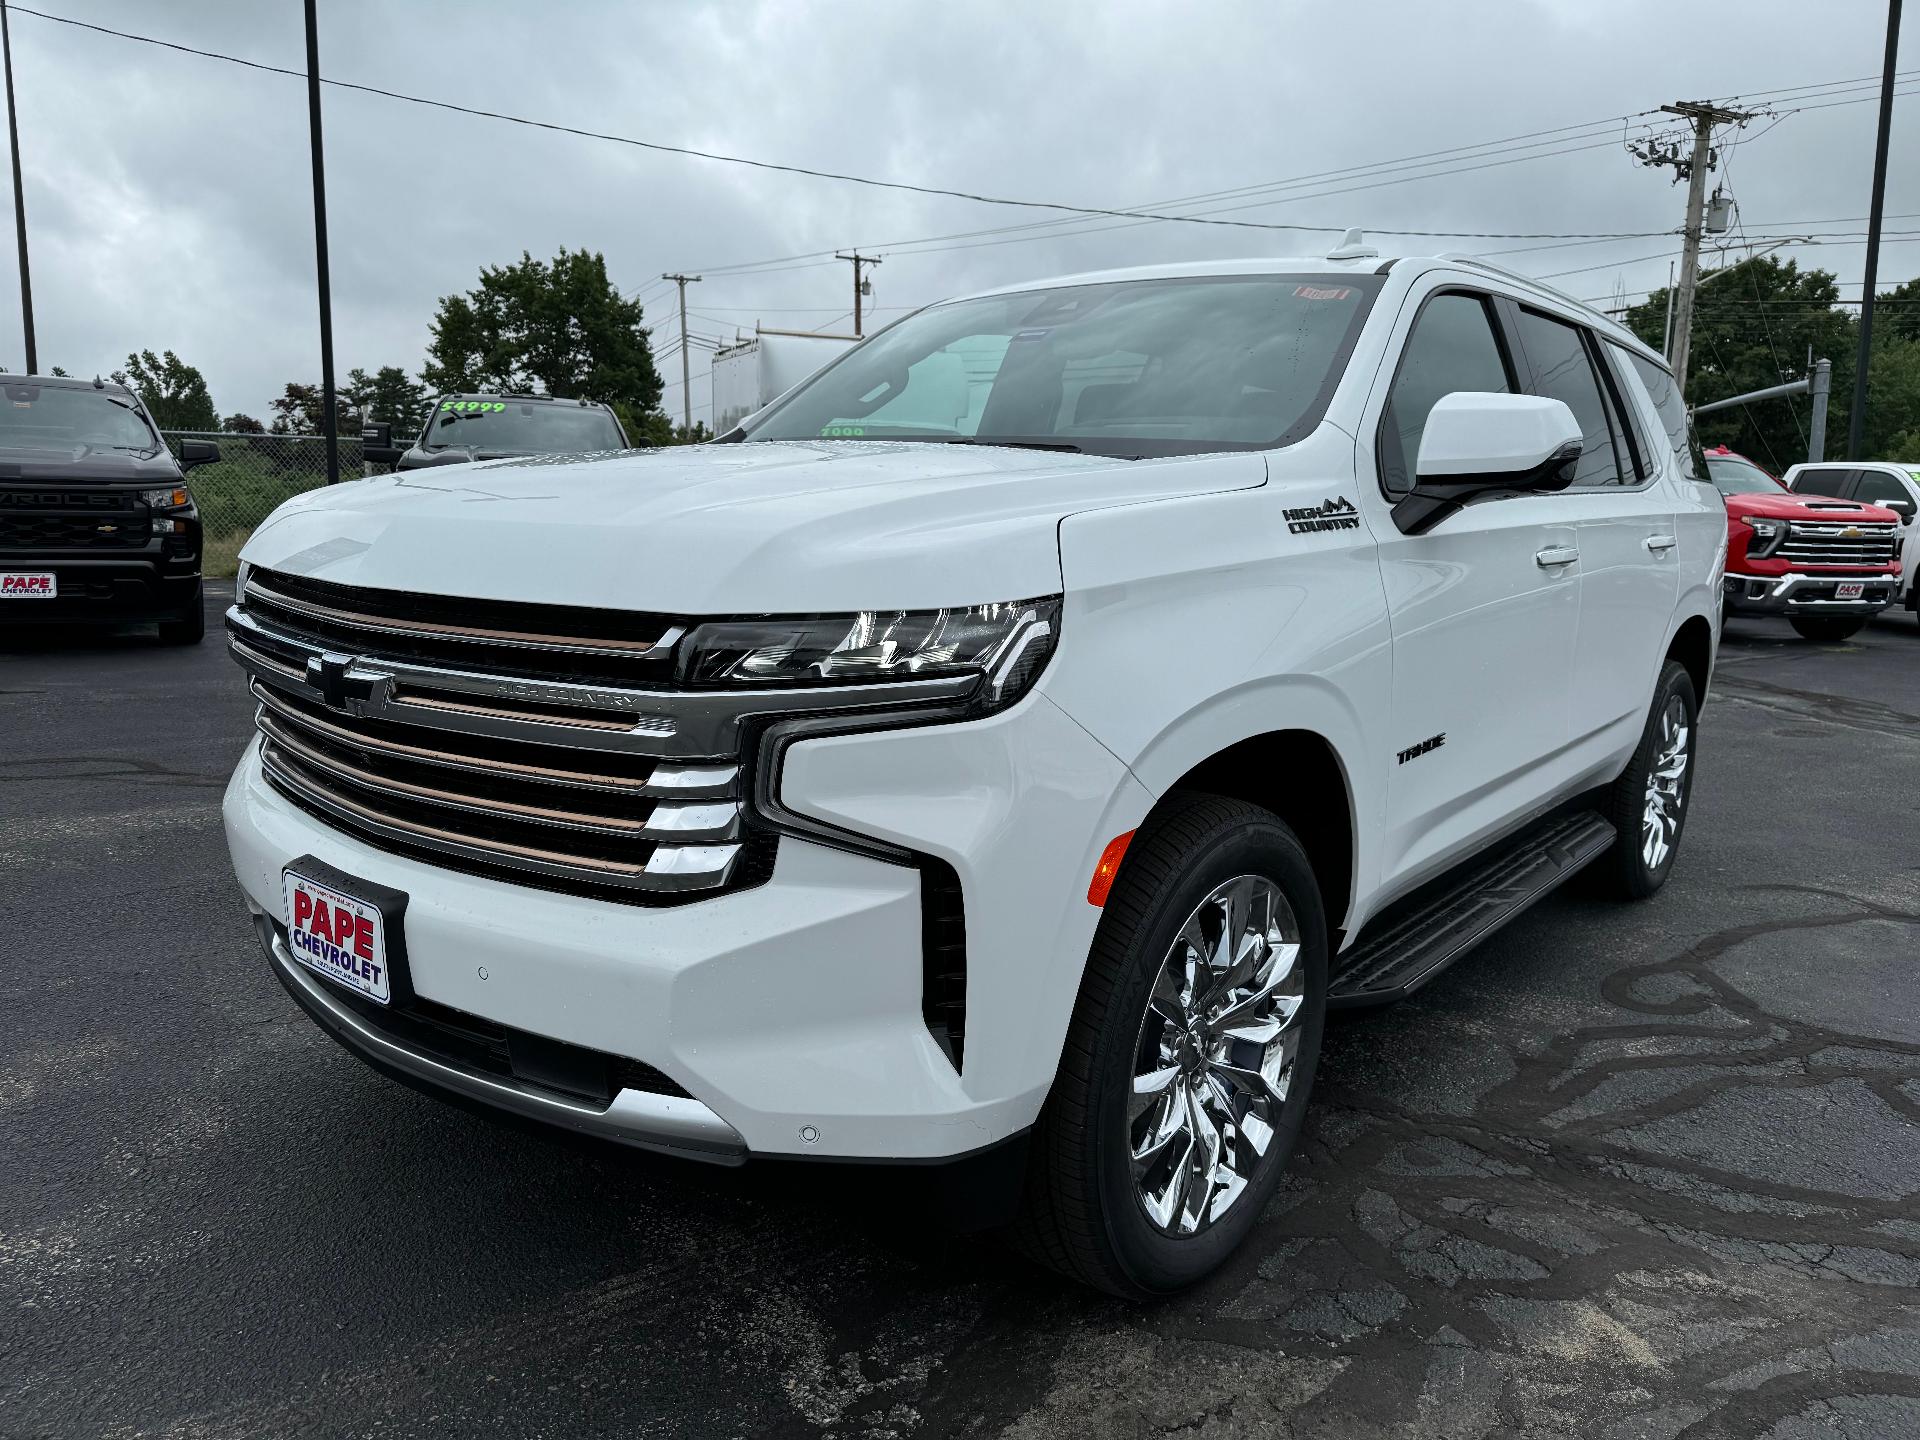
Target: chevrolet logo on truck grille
x=327, y=677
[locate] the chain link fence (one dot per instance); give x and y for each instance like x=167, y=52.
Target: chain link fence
x=252, y=476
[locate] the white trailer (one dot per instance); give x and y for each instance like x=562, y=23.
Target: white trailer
x=751, y=375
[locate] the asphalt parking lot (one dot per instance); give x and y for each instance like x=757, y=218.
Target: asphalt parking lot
x=1628, y=1171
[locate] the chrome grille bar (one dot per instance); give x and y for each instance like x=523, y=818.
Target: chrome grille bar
x=510, y=746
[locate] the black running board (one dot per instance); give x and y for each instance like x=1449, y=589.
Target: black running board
x=1392, y=962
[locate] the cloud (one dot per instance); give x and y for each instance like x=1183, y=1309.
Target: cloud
x=170, y=205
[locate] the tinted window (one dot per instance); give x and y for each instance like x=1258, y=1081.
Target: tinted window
x=538, y=427
x=1161, y=367
x=1452, y=348
x=1876, y=487
x=1827, y=480
x=1673, y=415
x=52, y=417
x=1563, y=370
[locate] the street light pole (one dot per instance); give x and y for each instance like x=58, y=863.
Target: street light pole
x=19, y=198
x=328, y=405
x=1857, y=416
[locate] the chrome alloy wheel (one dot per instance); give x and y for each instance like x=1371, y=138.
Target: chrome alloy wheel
x=1666, y=785
x=1215, y=1055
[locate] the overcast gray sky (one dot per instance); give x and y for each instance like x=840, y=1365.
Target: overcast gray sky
x=170, y=207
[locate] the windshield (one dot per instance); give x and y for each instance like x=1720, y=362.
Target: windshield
x=536, y=427
x=1132, y=368
x=1734, y=476
x=52, y=417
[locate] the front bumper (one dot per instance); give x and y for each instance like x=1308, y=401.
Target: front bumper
x=1798, y=593
x=787, y=1015
x=127, y=589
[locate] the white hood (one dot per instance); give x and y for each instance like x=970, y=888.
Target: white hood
x=726, y=529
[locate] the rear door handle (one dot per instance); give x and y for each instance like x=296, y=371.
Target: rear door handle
x=1657, y=543
x=1556, y=555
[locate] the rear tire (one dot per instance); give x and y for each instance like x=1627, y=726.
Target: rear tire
x=190, y=628
x=1181, y=1089
x=1648, y=804
x=1815, y=627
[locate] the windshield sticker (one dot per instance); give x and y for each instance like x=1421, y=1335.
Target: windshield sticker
x=472, y=407
x=1322, y=292
x=1338, y=513
x=842, y=432
x=1033, y=334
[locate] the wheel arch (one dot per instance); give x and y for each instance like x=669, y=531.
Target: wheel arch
x=1692, y=646
x=1299, y=776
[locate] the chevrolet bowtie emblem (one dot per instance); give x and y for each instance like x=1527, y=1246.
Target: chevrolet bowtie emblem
x=328, y=674
x=1852, y=532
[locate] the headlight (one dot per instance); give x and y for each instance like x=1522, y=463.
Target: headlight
x=1767, y=534
x=1008, y=644
x=174, y=497
x=240, y=578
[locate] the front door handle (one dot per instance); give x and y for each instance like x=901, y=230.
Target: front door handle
x=1556, y=555
x=1657, y=543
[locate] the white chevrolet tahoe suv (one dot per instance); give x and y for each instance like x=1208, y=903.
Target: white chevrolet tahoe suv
x=1004, y=749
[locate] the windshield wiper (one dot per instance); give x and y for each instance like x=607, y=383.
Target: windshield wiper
x=1064, y=446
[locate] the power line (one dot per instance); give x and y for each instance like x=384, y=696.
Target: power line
x=662, y=147
x=909, y=187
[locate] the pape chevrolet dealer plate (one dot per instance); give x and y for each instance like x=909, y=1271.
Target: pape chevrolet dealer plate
x=338, y=935
x=28, y=585
x=1849, y=590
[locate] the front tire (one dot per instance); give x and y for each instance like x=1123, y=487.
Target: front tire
x=190, y=628
x=1816, y=627
x=1189, y=1058
x=1648, y=803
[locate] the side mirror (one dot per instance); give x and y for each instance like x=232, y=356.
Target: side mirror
x=1479, y=443
x=376, y=443
x=198, y=452
x=1902, y=508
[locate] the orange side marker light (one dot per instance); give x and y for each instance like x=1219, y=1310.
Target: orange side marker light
x=1108, y=867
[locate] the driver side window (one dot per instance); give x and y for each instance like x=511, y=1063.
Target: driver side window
x=1453, y=347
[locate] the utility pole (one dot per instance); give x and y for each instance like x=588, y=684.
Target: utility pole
x=686, y=384
x=329, y=408
x=1694, y=166
x=861, y=286
x=19, y=198
x=1817, y=427
x=1857, y=416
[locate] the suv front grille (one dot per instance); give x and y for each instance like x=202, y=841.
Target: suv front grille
x=507, y=764
x=1861, y=542
x=48, y=530
x=544, y=641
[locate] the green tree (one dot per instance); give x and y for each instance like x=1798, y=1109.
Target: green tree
x=561, y=327
x=296, y=410
x=240, y=423
x=388, y=394
x=656, y=428
x=1753, y=326
x=173, y=391
x=1897, y=312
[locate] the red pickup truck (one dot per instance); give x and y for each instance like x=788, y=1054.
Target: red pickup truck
x=1828, y=565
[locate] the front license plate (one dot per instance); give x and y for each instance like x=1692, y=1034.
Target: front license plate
x=1850, y=590
x=338, y=935
x=28, y=585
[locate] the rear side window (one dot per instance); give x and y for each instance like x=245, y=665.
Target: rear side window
x=1673, y=415
x=1876, y=487
x=1452, y=348
x=1563, y=370
x=1823, y=480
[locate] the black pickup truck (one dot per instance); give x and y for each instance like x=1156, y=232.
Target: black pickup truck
x=462, y=428
x=97, y=525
